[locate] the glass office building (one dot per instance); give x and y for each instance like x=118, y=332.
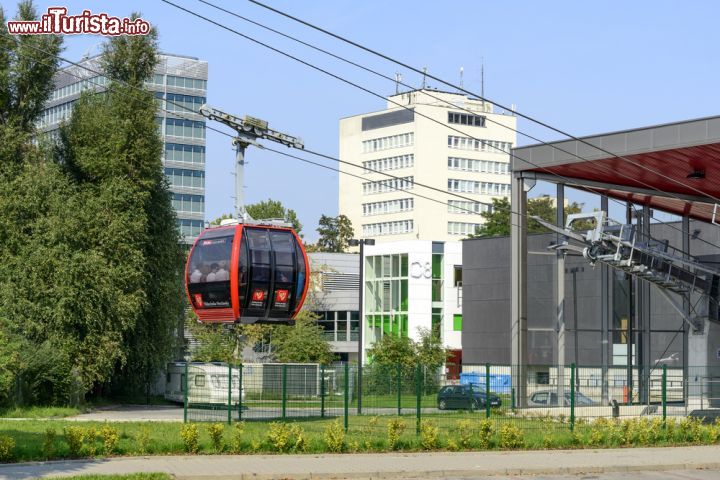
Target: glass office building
x=180, y=86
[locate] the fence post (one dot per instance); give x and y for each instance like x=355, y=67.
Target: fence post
x=664, y=393
x=399, y=388
x=487, y=390
x=185, y=394
x=572, y=397
x=284, y=390
x=418, y=390
x=229, y=404
x=240, y=391
x=512, y=399
x=347, y=394
x=322, y=391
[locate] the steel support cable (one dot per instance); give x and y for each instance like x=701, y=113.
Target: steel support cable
x=314, y=67
x=485, y=99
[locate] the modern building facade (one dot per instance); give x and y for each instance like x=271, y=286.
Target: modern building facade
x=410, y=285
x=180, y=86
x=334, y=293
x=451, y=142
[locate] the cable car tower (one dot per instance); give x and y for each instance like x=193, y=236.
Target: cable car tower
x=248, y=130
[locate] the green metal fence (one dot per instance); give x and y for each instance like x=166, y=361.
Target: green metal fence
x=533, y=397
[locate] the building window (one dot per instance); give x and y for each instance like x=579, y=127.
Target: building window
x=390, y=206
x=467, y=207
x=389, y=185
x=385, y=143
x=386, y=296
x=399, y=227
x=478, y=145
x=461, y=228
x=180, y=177
x=457, y=275
x=189, y=228
x=188, y=203
x=542, y=378
x=478, y=166
x=178, y=152
x=183, y=103
x=185, y=82
x=482, y=188
x=466, y=119
x=457, y=323
x=389, y=163
x=184, y=128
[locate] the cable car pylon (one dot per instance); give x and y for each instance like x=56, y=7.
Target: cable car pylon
x=248, y=130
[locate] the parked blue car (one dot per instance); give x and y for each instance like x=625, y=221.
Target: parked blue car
x=466, y=397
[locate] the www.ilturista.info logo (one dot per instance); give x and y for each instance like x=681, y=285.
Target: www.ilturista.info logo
x=56, y=21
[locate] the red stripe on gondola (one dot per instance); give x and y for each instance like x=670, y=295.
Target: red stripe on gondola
x=215, y=315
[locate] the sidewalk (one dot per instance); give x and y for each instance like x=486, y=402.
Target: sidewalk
x=395, y=465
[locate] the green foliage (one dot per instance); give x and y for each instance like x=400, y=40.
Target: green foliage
x=497, y=220
x=7, y=447
x=191, y=437
x=91, y=438
x=335, y=437
x=216, y=342
x=335, y=232
x=300, y=442
x=110, y=437
x=74, y=436
x=48, y=447
x=237, y=437
x=143, y=441
x=395, y=429
x=216, y=430
x=303, y=342
x=274, y=209
x=392, y=350
x=485, y=433
x=464, y=430
x=429, y=435
x=279, y=436
x=511, y=436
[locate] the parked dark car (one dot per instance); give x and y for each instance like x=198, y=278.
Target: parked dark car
x=464, y=397
x=548, y=398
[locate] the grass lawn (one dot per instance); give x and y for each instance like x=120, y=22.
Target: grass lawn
x=40, y=412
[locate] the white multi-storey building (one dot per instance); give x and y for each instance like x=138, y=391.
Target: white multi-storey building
x=448, y=141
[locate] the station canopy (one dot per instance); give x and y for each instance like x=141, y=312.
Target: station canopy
x=673, y=167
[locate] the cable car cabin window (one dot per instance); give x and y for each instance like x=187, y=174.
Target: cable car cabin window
x=209, y=271
x=283, y=244
x=260, y=267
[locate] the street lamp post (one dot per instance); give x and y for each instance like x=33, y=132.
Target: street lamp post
x=354, y=242
x=574, y=272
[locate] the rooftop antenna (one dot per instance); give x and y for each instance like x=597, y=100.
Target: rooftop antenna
x=424, y=77
x=482, y=78
x=398, y=80
x=462, y=70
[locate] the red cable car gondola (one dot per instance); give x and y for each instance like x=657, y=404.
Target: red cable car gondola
x=247, y=273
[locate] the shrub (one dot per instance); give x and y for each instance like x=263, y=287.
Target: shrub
x=74, y=437
x=395, y=429
x=279, y=436
x=238, y=431
x=511, y=436
x=354, y=446
x=300, y=441
x=255, y=445
x=465, y=432
x=335, y=437
x=670, y=430
x=452, y=445
x=143, y=441
x=215, y=430
x=599, y=432
x=428, y=435
x=7, y=448
x=485, y=433
x=91, y=436
x=190, y=437
x=548, y=442
x=48, y=446
x=110, y=437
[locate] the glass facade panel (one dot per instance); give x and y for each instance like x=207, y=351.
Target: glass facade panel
x=386, y=296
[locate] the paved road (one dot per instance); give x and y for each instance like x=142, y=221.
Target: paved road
x=702, y=462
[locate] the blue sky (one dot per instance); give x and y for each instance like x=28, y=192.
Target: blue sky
x=584, y=67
